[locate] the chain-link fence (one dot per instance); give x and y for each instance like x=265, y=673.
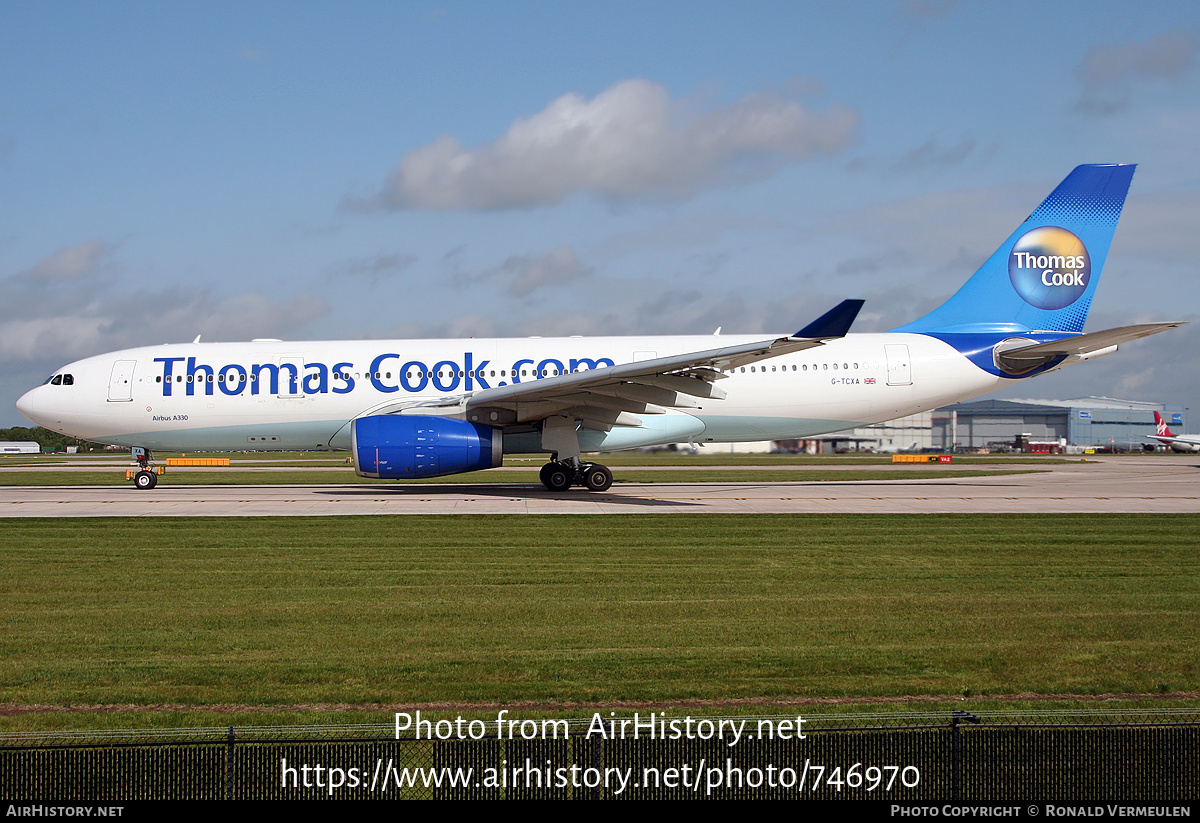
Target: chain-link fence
x=903, y=757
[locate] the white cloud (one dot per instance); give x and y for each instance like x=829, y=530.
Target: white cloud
x=34, y=338
x=1161, y=227
x=932, y=154
x=631, y=140
x=50, y=338
x=374, y=269
x=71, y=262
x=1109, y=73
x=525, y=274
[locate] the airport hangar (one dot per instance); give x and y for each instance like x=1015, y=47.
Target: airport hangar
x=1076, y=424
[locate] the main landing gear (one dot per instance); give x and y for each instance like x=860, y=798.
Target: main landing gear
x=558, y=477
x=560, y=437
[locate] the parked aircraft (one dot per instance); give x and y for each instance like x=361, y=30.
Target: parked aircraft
x=423, y=408
x=1177, y=442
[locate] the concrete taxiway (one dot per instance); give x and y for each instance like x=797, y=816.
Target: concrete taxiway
x=1153, y=484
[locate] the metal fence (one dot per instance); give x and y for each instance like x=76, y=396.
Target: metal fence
x=902, y=757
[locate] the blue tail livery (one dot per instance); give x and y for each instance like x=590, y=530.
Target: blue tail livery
x=1043, y=277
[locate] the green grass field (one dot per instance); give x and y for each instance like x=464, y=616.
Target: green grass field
x=282, y=613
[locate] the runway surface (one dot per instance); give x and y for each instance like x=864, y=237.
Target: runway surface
x=1106, y=484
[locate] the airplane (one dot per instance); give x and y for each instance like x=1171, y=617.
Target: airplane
x=1177, y=442
x=409, y=409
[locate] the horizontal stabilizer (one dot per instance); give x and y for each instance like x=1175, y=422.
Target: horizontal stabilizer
x=1085, y=343
x=1013, y=358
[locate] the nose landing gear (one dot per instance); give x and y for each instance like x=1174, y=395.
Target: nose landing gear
x=146, y=475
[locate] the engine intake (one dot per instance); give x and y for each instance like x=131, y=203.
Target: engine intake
x=400, y=446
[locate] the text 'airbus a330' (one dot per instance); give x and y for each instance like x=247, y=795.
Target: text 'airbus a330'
x=424, y=408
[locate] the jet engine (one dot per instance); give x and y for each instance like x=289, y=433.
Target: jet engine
x=401, y=446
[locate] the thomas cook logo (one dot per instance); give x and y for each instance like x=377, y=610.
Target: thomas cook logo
x=1049, y=267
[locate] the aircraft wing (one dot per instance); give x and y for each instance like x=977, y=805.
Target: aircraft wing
x=611, y=396
x=1079, y=346
x=1191, y=441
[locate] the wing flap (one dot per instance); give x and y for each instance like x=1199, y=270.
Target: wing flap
x=693, y=386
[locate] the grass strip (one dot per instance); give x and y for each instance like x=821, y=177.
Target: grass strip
x=275, y=612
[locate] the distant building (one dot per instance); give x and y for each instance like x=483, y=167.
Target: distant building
x=1042, y=426
x=1028, y=425
x=1087, y=422
x=754, y=447
x=19, y=447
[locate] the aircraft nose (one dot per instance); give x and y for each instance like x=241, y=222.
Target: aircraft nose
x=29, y=406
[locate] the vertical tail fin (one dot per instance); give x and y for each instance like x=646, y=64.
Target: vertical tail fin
x=1043, y=277
x=1161, y=425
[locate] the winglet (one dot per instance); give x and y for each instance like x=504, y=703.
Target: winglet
x=833, y=323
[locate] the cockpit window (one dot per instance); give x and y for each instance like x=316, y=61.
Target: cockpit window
x=68, y=380
x=56, y=380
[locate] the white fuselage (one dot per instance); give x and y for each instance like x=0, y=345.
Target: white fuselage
x=270, y=395
x=1184, y=443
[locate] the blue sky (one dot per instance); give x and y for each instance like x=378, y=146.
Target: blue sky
x=377, y=170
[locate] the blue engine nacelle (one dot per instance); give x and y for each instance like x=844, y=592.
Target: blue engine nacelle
x=400, y=446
